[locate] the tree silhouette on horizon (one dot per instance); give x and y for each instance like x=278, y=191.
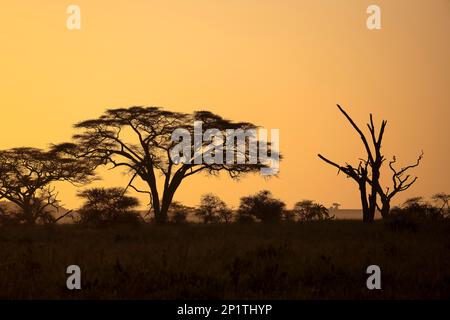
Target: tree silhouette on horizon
x=139, y=139
x=368, y=171
x=27, y=175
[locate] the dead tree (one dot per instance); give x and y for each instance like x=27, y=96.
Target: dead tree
x=374, y=162
x=401, y=182
x=369, y=171
x=359, y=174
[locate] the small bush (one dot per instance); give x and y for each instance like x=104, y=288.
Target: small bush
x=178, y=213
x=105, y=206
x=400, y=221
x=244, y=218
x=261, y=206
x=413, y=213
x=212, y=209
x=308, y=210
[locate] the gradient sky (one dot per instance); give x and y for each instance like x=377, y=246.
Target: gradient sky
x=277, y=63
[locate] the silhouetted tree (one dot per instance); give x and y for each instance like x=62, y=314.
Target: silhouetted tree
x=26, y=177
x=139, y=139
x=108, y=206
x=368, y=171
x=416, y=209
x=442, y=200
x=401, y=182
x=288, y=215
x=413, y=202
x=178, y=213
x=336, y=206
x=226, y=215
x=360, y=173
x=244, y=218
x=262, y=206
x=212, y=209
x=307, y=210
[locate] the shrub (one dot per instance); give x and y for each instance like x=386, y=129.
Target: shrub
x=411, y=214
x=307, y=210
x=289, y=216
x=108, y=206
x=178, y=213
x=244, y=218
x=442, y=201
x=401, y=221
x=212, y=209
x=261, y=206
x=418, y=209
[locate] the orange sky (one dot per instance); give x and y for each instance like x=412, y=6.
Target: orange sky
x=277, y=63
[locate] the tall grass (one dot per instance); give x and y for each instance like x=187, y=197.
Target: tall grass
x=316, y=260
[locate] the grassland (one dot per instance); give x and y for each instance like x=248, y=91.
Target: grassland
x=316, y=260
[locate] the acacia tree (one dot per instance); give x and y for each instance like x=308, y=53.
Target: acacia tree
x=178, y=212
x=336, y=205
x=262, y=206
x=26, y=177
x=442, y=200
x=307, y=210
x=140, y=140
x=108, y=205
x=368, y=171
x=213, y=209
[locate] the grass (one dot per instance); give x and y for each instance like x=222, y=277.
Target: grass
x=317, y=260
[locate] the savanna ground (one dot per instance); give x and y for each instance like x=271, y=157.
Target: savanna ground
x=314, y=260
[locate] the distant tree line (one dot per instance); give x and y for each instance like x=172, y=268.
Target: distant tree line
x=111, y=206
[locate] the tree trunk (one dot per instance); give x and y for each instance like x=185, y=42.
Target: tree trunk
x=161, y=208
x=365, y=205
x=167, y=200
x=163, y=213
x=372, y=207
x=374, y=193
x=160, y=215
x=169, y=192
x=385, y=209
x=28, y=215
